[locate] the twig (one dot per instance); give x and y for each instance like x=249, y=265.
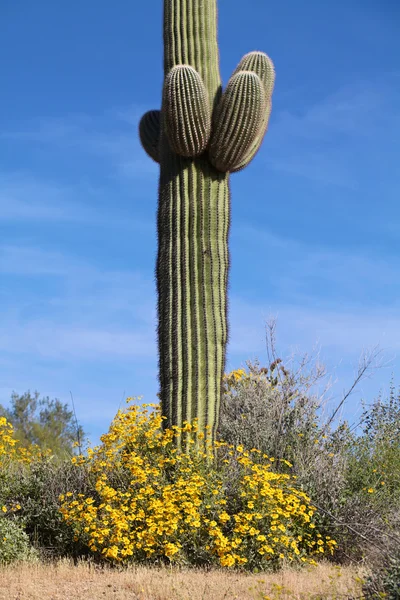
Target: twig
x=364, y=364
x=77, y=425
x=349, y=527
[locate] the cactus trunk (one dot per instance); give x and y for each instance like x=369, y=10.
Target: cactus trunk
x=193, y=227
x=198, y=138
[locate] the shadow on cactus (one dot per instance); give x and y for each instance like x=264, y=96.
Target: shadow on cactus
x=200, y=136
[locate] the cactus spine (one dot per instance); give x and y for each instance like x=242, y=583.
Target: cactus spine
x=198, y=137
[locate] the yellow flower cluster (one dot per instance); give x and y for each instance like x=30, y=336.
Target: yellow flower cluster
x=235, y=376
x=12, y=456
x=151, y=501
x=7, y=440
x=10, y=449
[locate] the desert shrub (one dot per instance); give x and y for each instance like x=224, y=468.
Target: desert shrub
x=37, y=490
x=14, y=543
x=155, y=503
x=385, y=581
x=30, y=484
x=270, y=412
x=282, y=418
x=374, y=464
x=351, y=477
x=372, y=482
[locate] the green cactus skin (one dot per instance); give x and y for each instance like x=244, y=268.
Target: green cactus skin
x=242, y=102
x=187, y=115
x=262, y=65
x=193, y=219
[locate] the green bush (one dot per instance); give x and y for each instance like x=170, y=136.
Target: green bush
x=385, y=583
x=371, y=495
x=374, y=455
x=38, y=491
x=14, y=543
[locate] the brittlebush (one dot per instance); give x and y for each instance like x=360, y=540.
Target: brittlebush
x=11, y=451
x=155, y=503
x=14, y=460
x=13, y=457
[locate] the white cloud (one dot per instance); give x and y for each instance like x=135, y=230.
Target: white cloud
x=112, y=137
x=89, y=296
x=91, y=312
x=24, y=198
x=337, y=337
x=344, y=113
x=54, y=341
x=86, y=293
x=305, y=272
x=29, y=260
x=329, y=141
x=347, y=331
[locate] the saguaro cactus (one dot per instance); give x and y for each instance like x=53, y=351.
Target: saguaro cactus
x=198, y=138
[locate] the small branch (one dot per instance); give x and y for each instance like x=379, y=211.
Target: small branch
x=77, y=425
x=365, y=363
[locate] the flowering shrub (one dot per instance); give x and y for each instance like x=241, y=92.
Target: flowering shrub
x=14, y=542
x=7, y=441
x=11, y=458
x=154, y=502
x=14, y=459
x=11, y=452
x=31, y=481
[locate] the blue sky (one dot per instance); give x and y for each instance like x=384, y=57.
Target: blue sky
x=315, y=218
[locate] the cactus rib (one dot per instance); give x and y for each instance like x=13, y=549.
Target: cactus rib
x=238, y=119
x=187, y=115
x=262, y=65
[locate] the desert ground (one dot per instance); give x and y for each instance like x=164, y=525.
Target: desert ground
x=64, y=581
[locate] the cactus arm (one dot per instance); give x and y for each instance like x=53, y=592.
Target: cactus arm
x=261, y=64
x=257, y=142
x=187, y=115
x=149, y=133
x=238, y=119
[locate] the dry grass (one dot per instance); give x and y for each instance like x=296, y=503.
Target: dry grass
x=64, y=581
